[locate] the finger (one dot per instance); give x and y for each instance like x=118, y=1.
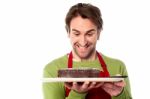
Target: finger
x=112, y=87
x=68, y=85
x=99, y=84
x=118, y=74
x=113, y=90
x=92, y=85
x=107, y=89
x=85, y=84
x=75, y=84
x=108, y=85
x=121, y=83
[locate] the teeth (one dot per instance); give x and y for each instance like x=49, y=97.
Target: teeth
x=80, y=46
x=84, y=46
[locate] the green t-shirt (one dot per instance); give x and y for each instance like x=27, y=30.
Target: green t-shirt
x=57, y=90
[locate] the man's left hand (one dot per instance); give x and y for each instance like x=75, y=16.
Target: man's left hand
x=114, y=88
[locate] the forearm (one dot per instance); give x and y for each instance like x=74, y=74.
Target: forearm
x=123, y=95
x=53, y=91
x=75, y=95
x=126, y=92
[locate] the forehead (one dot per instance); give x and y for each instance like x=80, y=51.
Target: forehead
x=82, y=24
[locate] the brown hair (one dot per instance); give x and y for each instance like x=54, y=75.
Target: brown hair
x=85, y=11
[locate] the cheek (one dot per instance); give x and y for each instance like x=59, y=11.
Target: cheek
x=73, y=40
x=92, y=40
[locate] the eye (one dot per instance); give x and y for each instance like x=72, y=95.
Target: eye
x=76, y=33
x=89, y=34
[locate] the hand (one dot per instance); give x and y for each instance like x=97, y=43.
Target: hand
x=115, y=88
x=84, y=87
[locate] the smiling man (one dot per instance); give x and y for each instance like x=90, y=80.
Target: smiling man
x=83, y=38
x=84, y=25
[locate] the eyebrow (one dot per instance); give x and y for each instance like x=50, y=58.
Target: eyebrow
x=90, y=30
x=86, y=31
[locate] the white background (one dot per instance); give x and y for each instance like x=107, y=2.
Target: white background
x=32, y=33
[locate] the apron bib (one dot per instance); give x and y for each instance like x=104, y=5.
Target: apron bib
x=97, y=93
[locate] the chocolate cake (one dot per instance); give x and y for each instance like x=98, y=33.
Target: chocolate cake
x=78, y=72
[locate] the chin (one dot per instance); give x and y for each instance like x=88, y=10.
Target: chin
x=83, y=55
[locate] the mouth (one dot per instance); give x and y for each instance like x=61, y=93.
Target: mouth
x=82, y=48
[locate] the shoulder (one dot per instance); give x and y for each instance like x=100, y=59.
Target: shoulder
x=112, y=60
x=56, y=62
x=115, y=66
x=52, y=67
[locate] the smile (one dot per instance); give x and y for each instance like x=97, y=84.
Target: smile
x=80, y=46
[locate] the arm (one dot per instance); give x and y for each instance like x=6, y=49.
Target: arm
x=118, y=90
x=126, y=93
x=57, y=90
x=52, y=90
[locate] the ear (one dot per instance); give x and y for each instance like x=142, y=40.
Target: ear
x=68, y=34
x=98, y=34
x=67, y=29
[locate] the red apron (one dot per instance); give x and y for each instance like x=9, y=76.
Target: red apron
x=97, y=93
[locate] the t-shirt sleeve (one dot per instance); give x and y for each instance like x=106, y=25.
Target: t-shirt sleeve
x=52, y=90
x=126, y=93
x=57, y=90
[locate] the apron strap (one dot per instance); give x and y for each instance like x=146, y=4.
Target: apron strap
x=105, y=72
x=101, y=61
x=104, y=67
x=70, y=60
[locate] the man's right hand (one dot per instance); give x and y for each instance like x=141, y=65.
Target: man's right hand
x=82, y=88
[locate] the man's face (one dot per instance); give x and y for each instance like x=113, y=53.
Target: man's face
x=83, y=35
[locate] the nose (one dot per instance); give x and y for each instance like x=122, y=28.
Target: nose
x=83, y=41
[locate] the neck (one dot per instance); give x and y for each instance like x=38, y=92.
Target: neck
x=92, y=57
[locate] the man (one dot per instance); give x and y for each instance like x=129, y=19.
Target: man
x=84, y=25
